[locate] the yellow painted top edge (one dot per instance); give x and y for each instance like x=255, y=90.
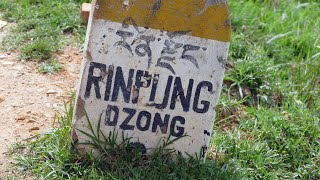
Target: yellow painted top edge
x=205, y=19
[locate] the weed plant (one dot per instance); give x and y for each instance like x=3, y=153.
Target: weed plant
x=53, y=156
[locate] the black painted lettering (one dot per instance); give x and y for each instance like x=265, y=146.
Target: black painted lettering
x=205, y=104
x=155, y=83
x=121, y=84
x=166, y=95
x=125, y=125
x=144, y=49
x=115, y=110
x=162, y=124
x=144, y=115
x=204, y=150
x=178, y=92
x=173, y=126
x=109, y=83
x=143, y=80
x=94, y=80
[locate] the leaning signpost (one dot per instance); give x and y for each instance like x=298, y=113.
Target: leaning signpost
x=153, y=69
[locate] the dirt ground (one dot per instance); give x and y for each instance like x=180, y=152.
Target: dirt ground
x=29, y=100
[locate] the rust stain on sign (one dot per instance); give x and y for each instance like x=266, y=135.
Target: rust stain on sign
x=205, y=19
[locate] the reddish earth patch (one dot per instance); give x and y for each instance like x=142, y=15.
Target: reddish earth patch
x=29, y=100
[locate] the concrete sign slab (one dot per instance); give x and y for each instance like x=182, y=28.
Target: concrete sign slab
x=154, y=69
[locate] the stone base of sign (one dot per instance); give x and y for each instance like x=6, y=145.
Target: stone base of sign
x=85, y=11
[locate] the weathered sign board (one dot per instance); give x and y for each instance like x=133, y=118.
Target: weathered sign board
x=153, y=69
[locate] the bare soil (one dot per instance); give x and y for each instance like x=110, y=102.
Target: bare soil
x=29, y=100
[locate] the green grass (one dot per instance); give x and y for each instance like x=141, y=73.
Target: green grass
x=52, y=156
x=268, y=124
x=42, y=28
x=269, y=111
x=50, y=66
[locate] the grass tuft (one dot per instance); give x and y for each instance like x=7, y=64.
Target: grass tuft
x=41, y=27
x=50, y=66
x=37, y=51
x=53, y=156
